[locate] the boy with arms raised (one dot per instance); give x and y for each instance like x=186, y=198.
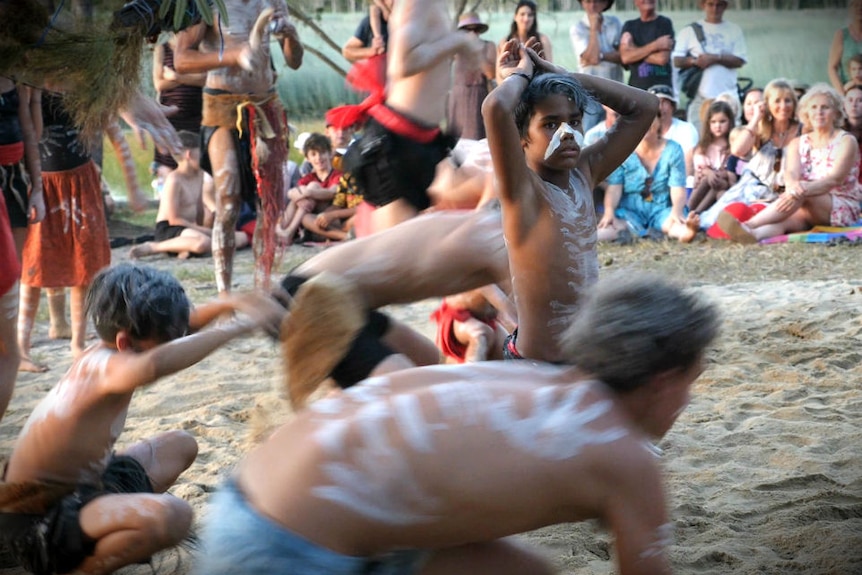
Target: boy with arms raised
x=115, y=510
x=427, y=470
x=544, y=180
x=545, y=177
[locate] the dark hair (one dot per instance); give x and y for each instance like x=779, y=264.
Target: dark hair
x=532, y=32
x=717, y=107
x=189, y=140
x=542, y=86
x=143, y=301
x=856, y=58
x=317, y=142
x=632, y=327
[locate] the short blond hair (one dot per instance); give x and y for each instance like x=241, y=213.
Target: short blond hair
x=836, y=102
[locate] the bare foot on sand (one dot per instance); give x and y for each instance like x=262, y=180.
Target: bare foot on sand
x=692, y=224
x=31, y=366
x=736, y=230
x=141, y=250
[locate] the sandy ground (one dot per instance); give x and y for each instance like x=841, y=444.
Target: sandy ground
x=763, y=470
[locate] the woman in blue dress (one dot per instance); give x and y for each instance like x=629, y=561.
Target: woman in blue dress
x=647, y=191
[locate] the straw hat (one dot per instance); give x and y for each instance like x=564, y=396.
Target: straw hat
x=472, y=20
x=325, y=317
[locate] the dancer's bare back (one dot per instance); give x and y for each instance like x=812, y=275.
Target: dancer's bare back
x=440, y=457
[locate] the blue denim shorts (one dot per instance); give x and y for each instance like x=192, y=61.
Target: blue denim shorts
x=236, y=539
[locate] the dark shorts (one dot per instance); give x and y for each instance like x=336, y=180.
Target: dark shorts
x=15, y=185
x=247, y=182
x=389, y=166
x=165, y=231
x=55, y=543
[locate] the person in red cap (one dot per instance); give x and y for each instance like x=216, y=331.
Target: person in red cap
x=341, y=126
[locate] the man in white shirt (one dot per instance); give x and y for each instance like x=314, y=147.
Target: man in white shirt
x=723, y=52
x=596, y=41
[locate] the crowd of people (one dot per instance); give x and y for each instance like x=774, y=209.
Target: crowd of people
x=548, y=163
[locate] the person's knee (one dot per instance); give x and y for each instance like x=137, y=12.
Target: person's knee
x=182, y=444
x=170, y=522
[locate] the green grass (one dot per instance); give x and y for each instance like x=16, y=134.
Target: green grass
x=792, y=44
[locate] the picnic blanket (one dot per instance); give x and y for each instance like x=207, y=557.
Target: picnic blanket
x=819, y=235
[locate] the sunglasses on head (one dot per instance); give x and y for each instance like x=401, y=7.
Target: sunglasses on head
x=646, y=192
x=776, y=166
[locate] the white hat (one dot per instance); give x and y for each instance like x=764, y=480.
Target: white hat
x=299, y=143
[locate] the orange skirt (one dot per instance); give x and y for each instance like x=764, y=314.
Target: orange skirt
x=71, y=244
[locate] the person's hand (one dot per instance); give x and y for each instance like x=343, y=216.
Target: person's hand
x=323, y=220
x=512, y=59
x=295, y=194
x=607, y=220
x=36, y=205
x=595, y=20
x=169, y=74
x=378, y=44
x=757, y=112
x=536, y=54
x=664, y=42
x=146, y=116
x=790, y=200
x=262, y=310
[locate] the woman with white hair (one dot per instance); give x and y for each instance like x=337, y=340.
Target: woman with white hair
x=820, y=176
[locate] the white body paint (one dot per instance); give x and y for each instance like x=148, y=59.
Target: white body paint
x=558, y=137
x=575, y=211
x=372, y=457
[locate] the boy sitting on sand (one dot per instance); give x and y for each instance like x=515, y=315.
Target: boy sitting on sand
x=429, y=470
x=103, y=509
x=183, y=225
x=313, y=194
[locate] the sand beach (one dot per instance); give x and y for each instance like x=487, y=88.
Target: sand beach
x=763, y=471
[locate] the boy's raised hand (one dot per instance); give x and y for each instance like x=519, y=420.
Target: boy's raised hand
x=512, y=59
x=536, y=54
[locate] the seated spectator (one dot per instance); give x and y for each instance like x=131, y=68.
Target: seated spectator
x=770, y=129
x=711, y=176
x=753, y=96
x=181, y=222
x=342, y=123
x=821, y=176
x=647, y=191
x=315, y=191
x=853, y=111
x=672, y=128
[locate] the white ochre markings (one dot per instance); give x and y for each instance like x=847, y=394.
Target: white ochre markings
x=369, y=472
